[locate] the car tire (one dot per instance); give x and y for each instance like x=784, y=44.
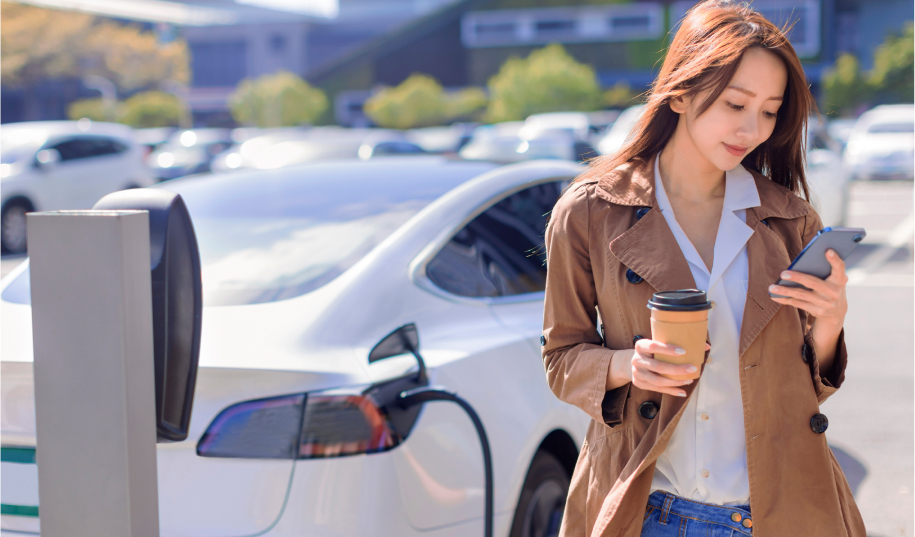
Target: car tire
x=543, y=498
x=13, y=235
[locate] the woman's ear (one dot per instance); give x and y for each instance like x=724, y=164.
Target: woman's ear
x=679, y=104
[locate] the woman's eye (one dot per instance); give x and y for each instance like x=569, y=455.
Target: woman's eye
x=769, y=115
x=734, y=106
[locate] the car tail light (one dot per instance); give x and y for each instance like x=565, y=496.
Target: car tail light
x=300, y=426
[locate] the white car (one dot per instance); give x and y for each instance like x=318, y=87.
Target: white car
x=827, y=177
x=292, y=147
x=882, y=143
x=617, y=134
x=52, y=165
x=305, y=270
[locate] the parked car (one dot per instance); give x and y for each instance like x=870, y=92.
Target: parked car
x=616, y=135
x=882, y=144
x=443, y=140
x=492, y=145
x=827, y=177
x=153, y=138
x=290, y=148
x=52, y=165
x=188, y=151
x=305, y=270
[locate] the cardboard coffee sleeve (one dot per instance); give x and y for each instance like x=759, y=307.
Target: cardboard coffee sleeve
x=681, y=318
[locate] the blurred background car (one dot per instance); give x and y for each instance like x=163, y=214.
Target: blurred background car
x=447, y=140
x=152, y=138
x=839, y=129
x=188, y=151
x=52, y=165
x=882, y=144
x=827, y=177
x=514, y=142
x=615, y=136
x=296, y=146
x=305, y=270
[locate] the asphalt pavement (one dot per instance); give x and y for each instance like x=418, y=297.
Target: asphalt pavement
x=871, y=427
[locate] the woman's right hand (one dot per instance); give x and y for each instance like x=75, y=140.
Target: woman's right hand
x=648, y=373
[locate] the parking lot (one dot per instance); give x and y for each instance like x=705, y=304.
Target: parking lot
x=871, y=429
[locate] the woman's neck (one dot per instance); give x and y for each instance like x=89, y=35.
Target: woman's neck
x=686, y=174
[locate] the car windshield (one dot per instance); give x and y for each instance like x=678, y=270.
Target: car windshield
x=267, y=236
x=880, y=128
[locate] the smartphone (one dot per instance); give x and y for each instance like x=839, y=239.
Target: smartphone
x=812, y=259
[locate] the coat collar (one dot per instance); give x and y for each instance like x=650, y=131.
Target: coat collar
x=632, y=184
x=650, y=249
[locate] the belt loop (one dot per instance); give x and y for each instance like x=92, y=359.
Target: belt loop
x=668, y=500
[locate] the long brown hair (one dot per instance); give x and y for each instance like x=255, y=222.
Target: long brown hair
x=704, y=55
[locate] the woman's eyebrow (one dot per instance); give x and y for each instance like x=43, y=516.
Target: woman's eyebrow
x=751, y=94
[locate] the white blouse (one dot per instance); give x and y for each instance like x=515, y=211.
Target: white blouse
x=706, y=459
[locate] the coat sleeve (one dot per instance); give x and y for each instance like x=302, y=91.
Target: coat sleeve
x=574, y=357
x=825, y=382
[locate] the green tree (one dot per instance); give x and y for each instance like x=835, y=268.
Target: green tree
x=891, y=76
x=93, y=109
x=418, y=101
x=619, y=96
x=844, y=86
x=38, y=43
x=151, y=109
x=278, y=100
x=548, y=80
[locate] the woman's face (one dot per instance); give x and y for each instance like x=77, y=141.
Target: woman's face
x=743, y=116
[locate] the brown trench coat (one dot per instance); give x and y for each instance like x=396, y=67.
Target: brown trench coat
x=594, y=236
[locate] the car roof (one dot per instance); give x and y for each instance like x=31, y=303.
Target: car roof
x=58, y=128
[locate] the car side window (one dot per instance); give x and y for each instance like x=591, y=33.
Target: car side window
x=87, y=147
x=396, y=148
x=501, y=251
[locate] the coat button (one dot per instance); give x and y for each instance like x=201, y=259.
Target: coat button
x=819, y=423
x=542, y=341
x=804, y=354
x=736, y=517
x=642, y=212
x=632, y=277
x=636, y=338
x=648, y=410
x=765, y=222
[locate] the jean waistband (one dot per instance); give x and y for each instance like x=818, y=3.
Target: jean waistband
x=736, y=517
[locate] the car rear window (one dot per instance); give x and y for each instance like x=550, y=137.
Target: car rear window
x=271, y=235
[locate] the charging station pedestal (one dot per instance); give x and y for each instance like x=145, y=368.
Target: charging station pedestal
x=95, y=392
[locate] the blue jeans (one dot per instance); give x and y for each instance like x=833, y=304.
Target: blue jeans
x=668, y=515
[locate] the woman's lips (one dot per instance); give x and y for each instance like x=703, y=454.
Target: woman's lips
x=734, y=150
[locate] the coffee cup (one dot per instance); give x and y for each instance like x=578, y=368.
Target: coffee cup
x=681, y=318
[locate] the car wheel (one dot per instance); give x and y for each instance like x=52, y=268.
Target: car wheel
x=543, y=498
x=12, y=226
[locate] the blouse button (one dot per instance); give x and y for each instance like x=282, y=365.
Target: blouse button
x=704, y=473
x=703, y=416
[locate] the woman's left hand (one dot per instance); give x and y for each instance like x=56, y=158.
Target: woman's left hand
x=825, y=299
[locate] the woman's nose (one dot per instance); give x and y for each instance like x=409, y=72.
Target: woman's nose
x=749, y=129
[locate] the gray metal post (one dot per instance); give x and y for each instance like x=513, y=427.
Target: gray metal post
x=94, y=377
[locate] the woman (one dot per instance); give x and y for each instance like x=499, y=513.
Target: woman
x=708, y=193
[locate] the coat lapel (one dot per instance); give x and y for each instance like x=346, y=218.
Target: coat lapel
x=767, y=255
x=650, y=249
